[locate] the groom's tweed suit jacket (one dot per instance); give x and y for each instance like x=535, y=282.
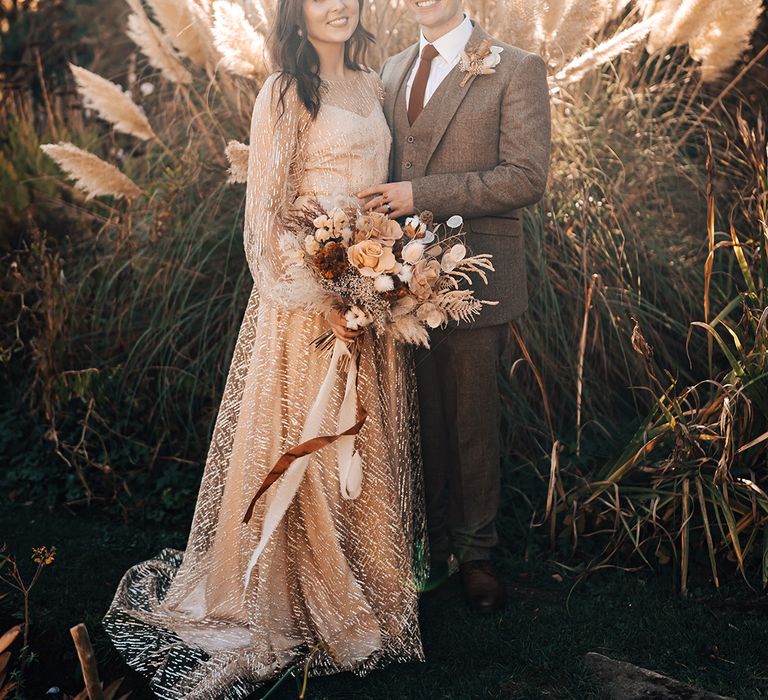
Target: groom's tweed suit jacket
x=480, y=151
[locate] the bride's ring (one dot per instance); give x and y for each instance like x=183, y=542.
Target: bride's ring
x=388, y=206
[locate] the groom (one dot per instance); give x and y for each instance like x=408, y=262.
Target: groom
x=477, y=146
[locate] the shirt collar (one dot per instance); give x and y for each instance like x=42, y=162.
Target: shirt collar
x=452, y=43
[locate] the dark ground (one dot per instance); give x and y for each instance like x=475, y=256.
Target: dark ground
x=534, y=649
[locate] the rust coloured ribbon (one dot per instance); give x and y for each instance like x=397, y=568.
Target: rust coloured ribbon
x=301, y=450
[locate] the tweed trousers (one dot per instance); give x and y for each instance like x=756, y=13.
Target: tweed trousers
x=460, y=411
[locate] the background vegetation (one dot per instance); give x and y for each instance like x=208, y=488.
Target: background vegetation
x=635, y=391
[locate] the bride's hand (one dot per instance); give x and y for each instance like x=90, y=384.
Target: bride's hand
x=338, y=325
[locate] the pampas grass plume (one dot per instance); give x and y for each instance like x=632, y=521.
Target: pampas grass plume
x=155, y=45
x=241, y=46
x=237, y=155
x=92, y=175
x=185, y=24
x=720, y=44
x=605, y=51
x=112, y=103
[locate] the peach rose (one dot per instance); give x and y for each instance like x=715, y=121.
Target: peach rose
x=389, y=232
x=372, y=258
x=378, y=226
x=424, y=274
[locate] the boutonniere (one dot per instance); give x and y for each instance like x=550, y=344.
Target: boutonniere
x=479, y=60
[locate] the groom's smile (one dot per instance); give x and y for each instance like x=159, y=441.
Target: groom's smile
x=436, y=17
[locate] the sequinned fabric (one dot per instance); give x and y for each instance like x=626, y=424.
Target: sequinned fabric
x=339, y=578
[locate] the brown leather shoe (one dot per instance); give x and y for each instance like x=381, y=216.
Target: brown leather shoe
x=483, y=590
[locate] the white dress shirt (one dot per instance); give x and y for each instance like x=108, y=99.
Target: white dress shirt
x=449, y=47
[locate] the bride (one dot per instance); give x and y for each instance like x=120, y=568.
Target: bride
x=331, y=576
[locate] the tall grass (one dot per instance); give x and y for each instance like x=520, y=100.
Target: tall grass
x=122, y=315
x=692, y=479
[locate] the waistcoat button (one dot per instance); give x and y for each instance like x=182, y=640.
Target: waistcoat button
x=410, y=139
x=407, y=164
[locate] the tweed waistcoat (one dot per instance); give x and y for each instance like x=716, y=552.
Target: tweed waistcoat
x=480, y=149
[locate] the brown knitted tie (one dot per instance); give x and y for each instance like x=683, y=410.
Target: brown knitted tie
x=419, y=87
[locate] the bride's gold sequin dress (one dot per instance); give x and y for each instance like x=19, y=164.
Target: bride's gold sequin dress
x=338, y=576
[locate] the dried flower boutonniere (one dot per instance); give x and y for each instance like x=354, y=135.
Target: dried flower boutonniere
x=479, y=60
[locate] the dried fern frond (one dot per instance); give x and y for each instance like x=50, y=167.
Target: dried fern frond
x=185, y=25
x=92, y=175
x=112, y=103
x=241, y=46
x=458, y=304
x=237, y=155
x=155, y=45
x=478, y=264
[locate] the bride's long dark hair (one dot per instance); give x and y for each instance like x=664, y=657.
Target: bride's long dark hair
x=297, y=59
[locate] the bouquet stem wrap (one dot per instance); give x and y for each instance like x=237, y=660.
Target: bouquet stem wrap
x=349, y=460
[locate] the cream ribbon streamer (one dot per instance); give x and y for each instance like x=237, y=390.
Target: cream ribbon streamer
x=349, y=460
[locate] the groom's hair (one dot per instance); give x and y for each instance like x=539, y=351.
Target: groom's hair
x=297, y=59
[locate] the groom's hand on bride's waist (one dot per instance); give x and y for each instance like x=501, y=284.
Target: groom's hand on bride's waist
x=393, y=198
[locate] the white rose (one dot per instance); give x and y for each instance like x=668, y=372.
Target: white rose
x=323, y=221
x=323, y=234
x=413, y=252
x=311, y=245
x=340, y=220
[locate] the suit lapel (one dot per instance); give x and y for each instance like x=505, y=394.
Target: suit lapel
x=449, y=98
x=399, y=73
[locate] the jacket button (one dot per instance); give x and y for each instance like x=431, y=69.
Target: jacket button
x=407, y=164
x=410, y=139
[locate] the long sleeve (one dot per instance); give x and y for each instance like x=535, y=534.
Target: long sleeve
x=270, y=183
x=524, y=150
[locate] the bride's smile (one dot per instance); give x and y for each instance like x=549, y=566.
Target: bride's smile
x=330, y=21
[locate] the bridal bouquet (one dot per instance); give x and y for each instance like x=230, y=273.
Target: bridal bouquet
x=398, y=279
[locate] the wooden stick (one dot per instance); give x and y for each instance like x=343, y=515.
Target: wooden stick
x=87, y=661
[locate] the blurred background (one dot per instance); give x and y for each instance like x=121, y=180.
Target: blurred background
x=635, y=390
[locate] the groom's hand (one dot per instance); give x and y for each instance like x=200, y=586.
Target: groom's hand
x=399, y=195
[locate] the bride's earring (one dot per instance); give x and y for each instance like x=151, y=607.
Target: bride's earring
x=300, y=32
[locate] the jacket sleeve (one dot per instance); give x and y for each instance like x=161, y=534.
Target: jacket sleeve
x=524, y=149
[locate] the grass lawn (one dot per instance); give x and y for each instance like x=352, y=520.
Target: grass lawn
x=534, y=649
